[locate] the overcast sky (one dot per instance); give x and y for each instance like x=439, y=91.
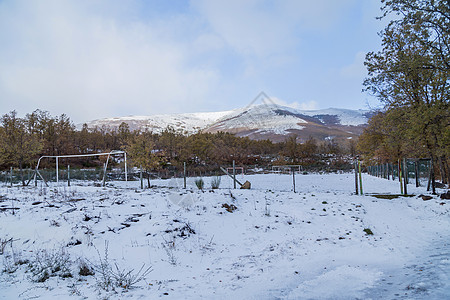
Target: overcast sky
x=94, y=59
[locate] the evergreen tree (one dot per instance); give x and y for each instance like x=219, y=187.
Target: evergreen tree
x=140, y=149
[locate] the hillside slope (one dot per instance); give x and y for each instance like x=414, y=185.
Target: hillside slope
x=262, y=121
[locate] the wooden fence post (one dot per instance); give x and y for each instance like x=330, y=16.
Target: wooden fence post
x=400, y=175
x=356, y=178
x=293, y=178
x=405, y=176
x=416, y=172
x=234, y=175
x=360, y=178
x=184, y=174
x=140, y=176
x=433, y=178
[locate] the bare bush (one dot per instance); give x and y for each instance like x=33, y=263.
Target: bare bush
x=109, y=277
x=215, y=182
x=169, y=247
x=3, y=243
x=46, y=264
x=199, y=183
x=11, y=258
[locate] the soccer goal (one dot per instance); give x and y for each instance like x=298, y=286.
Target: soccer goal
x=57, y=157
x=287, y=169
x=240, y=169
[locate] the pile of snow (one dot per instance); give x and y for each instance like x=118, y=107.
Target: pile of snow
x=263, y=243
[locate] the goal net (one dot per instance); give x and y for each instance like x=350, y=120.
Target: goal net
x=37, y=173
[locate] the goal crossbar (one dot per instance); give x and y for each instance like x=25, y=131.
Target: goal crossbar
x=114, y=152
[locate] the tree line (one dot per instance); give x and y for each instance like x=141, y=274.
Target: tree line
x=24, y=140
x=410, y=76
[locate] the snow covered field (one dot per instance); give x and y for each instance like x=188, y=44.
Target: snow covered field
x=263, y=243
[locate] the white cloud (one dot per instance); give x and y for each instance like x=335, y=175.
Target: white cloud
x=309, y=105
x=246, y=26
x=92, y=59
x=62, y=56
x=356, y=69
x=265, y=28
x=284, y=103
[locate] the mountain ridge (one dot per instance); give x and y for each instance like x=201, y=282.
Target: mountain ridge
x=263, y=121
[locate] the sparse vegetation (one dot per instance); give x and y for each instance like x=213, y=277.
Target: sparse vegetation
x=3, y=243
x=110, y=277
x=50, y=263
x=85, y=270
x=215, y=182
x=199, y=183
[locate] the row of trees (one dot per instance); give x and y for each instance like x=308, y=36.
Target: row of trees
x=410, y=75
x=24, y=140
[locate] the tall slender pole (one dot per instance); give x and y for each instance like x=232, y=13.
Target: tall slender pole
x=10, y=176
x=360, y=178
x=405, y=176
x=126, y=171
x=400, y=175
x=433, y=179
x=293, y=178
x=68, y=175
x=140, y=175
x=356, y=178
x=429, y=176
x=57, y=173
x=416, y=172
x=234, y=175
x=104, y=171
x=405, y=167
x=184, y=174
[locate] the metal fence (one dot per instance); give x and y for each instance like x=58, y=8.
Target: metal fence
x=413, y=170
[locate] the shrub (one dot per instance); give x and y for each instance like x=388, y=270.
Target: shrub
x=47, y=264
x=85, y=270
x=199, y=183
x=109, y=277
x=215, y=182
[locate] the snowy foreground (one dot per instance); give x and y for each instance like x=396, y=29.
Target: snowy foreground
x=264, y=243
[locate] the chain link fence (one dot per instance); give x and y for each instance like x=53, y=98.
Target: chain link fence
x=416, y=170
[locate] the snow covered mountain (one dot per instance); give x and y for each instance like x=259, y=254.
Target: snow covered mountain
x=263, y=121
x=188, y=123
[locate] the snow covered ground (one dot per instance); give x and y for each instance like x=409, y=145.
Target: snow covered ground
x=263, y=243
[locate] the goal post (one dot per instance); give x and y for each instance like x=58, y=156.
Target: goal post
x=108, y=154
x=230, y=170
x=287, y=168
